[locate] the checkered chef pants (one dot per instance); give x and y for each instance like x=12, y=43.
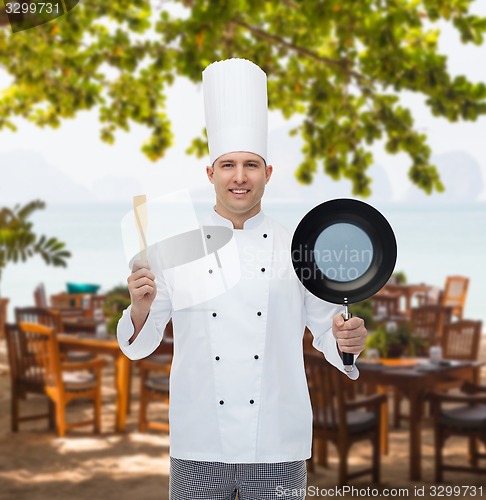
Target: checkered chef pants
x=191, y=480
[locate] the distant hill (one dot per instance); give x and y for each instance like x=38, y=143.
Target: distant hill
x=25, y=176
x=285, y=155
x=462, y=178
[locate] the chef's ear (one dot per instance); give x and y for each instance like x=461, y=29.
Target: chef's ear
x=210, y=173
x=268, y=172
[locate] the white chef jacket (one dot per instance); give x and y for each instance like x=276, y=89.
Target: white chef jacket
x=238, y=389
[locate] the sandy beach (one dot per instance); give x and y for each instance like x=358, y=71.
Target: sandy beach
x=36, y=465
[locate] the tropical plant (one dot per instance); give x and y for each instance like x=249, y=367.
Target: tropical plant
x=338, y=66
x=394, y=340
x=117, y=300
x=18, y=242
x=398, y=278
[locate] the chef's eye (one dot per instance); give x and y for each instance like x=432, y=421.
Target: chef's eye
x=227, y=165
x=252, y=165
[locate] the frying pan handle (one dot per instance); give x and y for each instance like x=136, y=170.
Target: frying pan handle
x=348, y=359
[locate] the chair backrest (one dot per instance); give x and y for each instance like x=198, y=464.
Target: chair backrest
x=40, y=315
x=44, y=360
x=25, y=370
x=428, y=322
x=327, y=393
x=455, y=292
x=385, y=306
x=461, y=340
x=14, y=350
x=40, y=298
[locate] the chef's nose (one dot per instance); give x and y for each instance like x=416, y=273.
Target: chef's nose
x=240, y=175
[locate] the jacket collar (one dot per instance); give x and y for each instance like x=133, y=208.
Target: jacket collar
x=251, y=223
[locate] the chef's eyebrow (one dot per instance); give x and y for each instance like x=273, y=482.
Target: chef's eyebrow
x=259, y=162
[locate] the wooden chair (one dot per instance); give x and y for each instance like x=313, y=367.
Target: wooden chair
x=61, y=303
x=454, y=295
x=154, y=380
x=25, y=379
x=427, y=322
x=341, y=421
x=461, y=340
x=52, y=318
x=63, y=382
x=96, y=303
x=468, y=420
x=386, y=307
x=41, y=315
x=154, y=386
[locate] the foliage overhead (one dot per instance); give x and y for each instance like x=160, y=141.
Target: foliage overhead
x=18, y=242
x=337, y=67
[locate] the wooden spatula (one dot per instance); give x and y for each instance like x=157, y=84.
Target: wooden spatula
x=140, y=211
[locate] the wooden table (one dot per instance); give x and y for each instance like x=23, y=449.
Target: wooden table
x=79, y=325
x=90, y=343
x=415, y=378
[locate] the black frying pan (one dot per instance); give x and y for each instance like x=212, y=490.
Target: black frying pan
x=344, y=251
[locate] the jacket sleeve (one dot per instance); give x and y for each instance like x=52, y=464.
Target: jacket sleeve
x=319, y=316
x=152, y=331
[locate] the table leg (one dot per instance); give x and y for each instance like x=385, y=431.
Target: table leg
x=129, y=394
x=415, y=435
x=384, y=422
x=122, y=386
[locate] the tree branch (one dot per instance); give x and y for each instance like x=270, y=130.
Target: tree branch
x=344, y=64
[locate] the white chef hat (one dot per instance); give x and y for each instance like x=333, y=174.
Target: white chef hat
x=235, y=106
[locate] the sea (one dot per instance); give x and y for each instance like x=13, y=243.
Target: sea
x=433, y=242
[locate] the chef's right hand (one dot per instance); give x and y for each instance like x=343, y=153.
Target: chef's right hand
x=142, y=288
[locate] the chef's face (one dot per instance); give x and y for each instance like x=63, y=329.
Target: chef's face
x=239, y=182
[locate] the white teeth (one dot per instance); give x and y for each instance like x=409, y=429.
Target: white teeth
x=239, y=191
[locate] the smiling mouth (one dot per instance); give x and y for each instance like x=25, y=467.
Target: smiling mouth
x=240, y=191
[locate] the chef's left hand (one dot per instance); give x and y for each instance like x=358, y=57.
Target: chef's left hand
x=350, y=335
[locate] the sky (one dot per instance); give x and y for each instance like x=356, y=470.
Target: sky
x=121, y=170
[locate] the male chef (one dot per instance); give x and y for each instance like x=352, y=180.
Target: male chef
x=240, y=413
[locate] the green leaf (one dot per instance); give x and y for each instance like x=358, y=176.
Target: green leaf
x=335, y=69
x=19, y=242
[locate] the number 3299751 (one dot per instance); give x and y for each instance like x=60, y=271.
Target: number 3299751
x=32, y=8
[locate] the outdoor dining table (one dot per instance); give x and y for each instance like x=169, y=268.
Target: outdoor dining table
x=415, y=377
x=108, y=345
